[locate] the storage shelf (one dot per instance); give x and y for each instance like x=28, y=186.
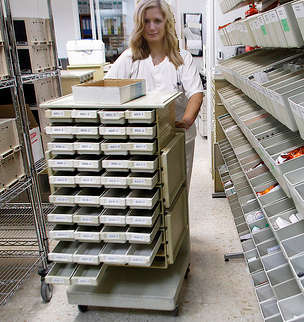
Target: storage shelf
x=13, y=274
x=34, y=77
x=14, y=191
x=282, y=291
x=250, y=247
x=6, y=83
x=41, y=165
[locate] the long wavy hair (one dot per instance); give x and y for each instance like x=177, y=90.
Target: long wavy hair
x=138, y=44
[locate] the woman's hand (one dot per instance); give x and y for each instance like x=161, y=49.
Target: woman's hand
x=182, y=124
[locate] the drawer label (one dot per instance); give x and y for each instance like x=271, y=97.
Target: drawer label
x=140, y=237
x=113, y=219
x=113, y=130
x=85, y=146
x=87, y=180
x=140, y=146
x=58, y=113
x=114, y=146
x=116, y=164
x=138, y=114
x=140, y=164
x=108, y=258
x=86, y=219
x=87, y=199
x=62, y=199
x=114, y=201
x=111, y=115
x=83, y=280
x=116, y=180
x=61, y=218
x=139, y=181
x=87, y=235
x=112, y=236
x=89, y=164
x=298, y=10
x=87, y=130
x=62, y=146
x=63, y=234
x=85, y=114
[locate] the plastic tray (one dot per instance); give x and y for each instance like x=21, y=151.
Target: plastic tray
x=279, y=275
x=116, y=163
x=85, y=116
x=264, y=293
x=89, y=179
x=61, y=274
x=134, y=116
x=114, y=198
x=294, y=246
x=61, y=147
x=60, y=131
x=64, y=197
x=298, y=196
x=62, y=215
x=142, y=147
x=112, y=117
x=112, y=147
x=142, y=235
x=286, y=289
x=63, y=179
x=143, y=218
x=63, y=232
x=89, y=197
x=88, y=216
x=88, y=275
x=141, y=132
x=115, y=254
x=143, y=163
x=114, y=217
x=142, y=181
x=142, y=199
x=63, y=252
x=59, y=116
x=61, y=163
x=88, y=146
x=273, y=260
x=113, y=234
x=90, y=234
x=88, y=254
x=292, y=308
x=88, y=163
x=269, y=308
x=113, y=132
x=115, y=179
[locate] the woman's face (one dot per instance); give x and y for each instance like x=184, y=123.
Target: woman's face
x=154, y=30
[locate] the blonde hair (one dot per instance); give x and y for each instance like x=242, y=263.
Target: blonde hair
x=139, y=46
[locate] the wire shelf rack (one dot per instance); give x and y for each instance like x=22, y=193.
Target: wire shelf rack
x=34, y=77
x=14, y=190
x=6, y=83
x=41, y=165
x=14, y=273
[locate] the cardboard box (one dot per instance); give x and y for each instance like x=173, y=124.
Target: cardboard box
x=9, y=139
x=98, y=70
x=70, y=78
x=110, y=91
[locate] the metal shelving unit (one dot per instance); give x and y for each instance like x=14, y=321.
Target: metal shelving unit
x=24, y=242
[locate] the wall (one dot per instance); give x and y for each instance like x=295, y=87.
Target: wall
x=65, y=14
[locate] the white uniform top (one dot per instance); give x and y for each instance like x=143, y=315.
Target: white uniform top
x=162, y=77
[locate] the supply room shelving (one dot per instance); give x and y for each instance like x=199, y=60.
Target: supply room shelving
x=265, y=113
x=121, y=206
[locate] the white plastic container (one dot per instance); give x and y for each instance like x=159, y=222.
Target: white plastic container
x=114, y=198
x=114, y=217
x=140, y=116
x=86, y=132
x=88, y=163
x=290, y=27
x=85, y=52
x=113, y=132
x=111, y=147
x=141, y=132
x=63, y=179
x=60, y=132
x=113, y=234
x=61, y=163
x=89, y=179
x=142, y=180
x=298, y=8
x=87, y=216
x=86, y=116
x=61, y=147
x=116, y=163
x=115, y=180
x=112, y=117
x=87, y=146
x=142, y=199
x=142, y=147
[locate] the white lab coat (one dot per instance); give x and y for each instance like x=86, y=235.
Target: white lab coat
x=164, y=77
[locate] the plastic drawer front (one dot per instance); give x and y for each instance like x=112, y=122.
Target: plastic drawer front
x=115, y=180
x=63, y=252
x=61, y=147
x=63, y=232
x=90, y=234
x=61, y=274
x=87, y=146
x=64, y=197
x=113, y=234
x=85, y=116
x=143, y=199
x=88, y=254
x=89, y=179
x=177, y=224
x=62, y=215
x=61, y=163
x=63, y=179
x=173, y=164
x=88, y=216
x=114, y=217
x=143, y=218
x=89, y=197
x=88, y=275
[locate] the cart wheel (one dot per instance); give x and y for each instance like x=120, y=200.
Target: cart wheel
x=226, y=258
x=187, y=272
x=175, y=312
x=82, y=308
x=46, y=291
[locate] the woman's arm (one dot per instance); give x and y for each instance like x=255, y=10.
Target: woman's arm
x=191, y=111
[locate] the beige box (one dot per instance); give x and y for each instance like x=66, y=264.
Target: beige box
x=36, y=58
x=9, y=139
x=30, y=31
x=110, y=91
x=11, y=170
x=98, y=70
x=70, y=78
x=4, y=73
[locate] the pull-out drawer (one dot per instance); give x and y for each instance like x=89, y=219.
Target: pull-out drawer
x=140, y=116
x=113, y=234
x=88, y=216
x=141, y=132
x=64, y=197
x=143, y=218
x=114, y=198
x=142, y=180
x=115, y=180
x=62, y=215
x=63, y=232
x=144, y=164
x=86, y=132
x=139, y=147
x=112, y=147
x=88, y=275
x=112, y=117
x=113, y=132
x=88, y=146
x=56, y=116
x=63, y=179
x=60, y=131
x=143, y=235
x=114, y=217
x=88, y=163
x=63, y=252
x=114, y=254
x=116, y=163
x=89, y=179
x=61, y=147
x=142, y=199
x=89, y=197
x=61, y=163
x=85, y=116
x=61, y=274
x=90, y=234
x=88, y=253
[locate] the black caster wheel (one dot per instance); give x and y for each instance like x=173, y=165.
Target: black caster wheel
x=187, y=272
x=175, y=312
x=83, y=308
x=46, y=291
x=226, y=259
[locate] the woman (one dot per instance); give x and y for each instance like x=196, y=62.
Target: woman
x=154, y=55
